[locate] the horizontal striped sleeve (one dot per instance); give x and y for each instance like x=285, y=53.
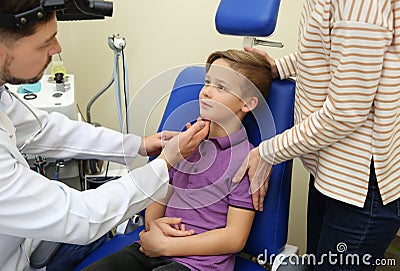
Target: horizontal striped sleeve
x=347, y=104
x=286, y=66
x=357, y=53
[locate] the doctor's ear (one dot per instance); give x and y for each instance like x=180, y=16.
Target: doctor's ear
x=250, y=104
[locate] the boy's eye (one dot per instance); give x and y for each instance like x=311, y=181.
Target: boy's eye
x=221, y=87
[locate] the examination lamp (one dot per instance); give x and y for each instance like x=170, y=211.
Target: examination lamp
x=66, y=10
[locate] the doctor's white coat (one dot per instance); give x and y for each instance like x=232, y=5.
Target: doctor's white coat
x=34, y=207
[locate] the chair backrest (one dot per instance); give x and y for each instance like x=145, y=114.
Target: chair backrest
x=269, y=231
x=255, y=18
x=258, y=18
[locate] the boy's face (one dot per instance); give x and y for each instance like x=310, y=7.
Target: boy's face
x=220, y=97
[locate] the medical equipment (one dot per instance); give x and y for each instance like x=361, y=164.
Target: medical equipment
x=85, y=10
x=50, y=94
x=66, y=10
x=117, y=43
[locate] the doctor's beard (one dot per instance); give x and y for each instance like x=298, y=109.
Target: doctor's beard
x=6, y=76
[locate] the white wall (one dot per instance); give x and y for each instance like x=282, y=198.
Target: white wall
x=162, y=35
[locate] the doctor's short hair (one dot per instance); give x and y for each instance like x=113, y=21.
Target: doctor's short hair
x=251, y=65
x=13, y=33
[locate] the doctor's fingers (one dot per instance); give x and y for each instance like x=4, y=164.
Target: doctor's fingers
x=167, y=135
x=198, y=131
x=182, y=145
x=188, y=124
x=191, y=138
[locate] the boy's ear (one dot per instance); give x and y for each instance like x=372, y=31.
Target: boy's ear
x=250, y=104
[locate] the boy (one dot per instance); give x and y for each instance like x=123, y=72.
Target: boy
x=217, y=214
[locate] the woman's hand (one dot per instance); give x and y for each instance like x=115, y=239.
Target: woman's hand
x=259, y=172
x=274, y=69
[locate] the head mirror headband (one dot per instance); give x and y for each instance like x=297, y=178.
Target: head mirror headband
x=31, y=16
x=96, y=9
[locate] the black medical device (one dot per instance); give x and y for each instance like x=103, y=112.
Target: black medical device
x=66, y=10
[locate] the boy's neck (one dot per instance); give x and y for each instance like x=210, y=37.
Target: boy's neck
x=223, y=130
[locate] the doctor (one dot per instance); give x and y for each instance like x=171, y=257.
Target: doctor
x=33, y=207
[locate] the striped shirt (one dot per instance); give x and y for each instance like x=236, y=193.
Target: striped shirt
x=347, y=108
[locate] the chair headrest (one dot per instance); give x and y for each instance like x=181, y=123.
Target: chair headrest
x=255, y=18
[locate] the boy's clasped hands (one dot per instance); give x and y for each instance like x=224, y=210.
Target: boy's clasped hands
x=153, y=240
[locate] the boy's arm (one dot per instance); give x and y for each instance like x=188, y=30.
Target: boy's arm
x=170, y=226
x=214, y=242
x=157, y=209
x=154, y=211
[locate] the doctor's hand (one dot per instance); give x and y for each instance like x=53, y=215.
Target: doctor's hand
x=152, y=145
x=271, y=61
x=185, y=143
x=259, y=172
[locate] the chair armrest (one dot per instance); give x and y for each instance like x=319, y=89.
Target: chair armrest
x=43, y=254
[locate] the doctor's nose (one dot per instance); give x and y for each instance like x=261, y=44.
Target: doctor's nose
x=55, y=47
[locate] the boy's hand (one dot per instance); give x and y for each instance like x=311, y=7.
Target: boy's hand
x=259, y=172
x=153, y=241
x=172, y=226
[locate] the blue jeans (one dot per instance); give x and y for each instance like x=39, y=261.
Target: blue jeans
x=354, y=238
x=69, y=256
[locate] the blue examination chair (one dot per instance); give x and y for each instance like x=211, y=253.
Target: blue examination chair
x=268, y=237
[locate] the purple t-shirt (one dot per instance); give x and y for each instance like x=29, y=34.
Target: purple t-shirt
x=203, y=191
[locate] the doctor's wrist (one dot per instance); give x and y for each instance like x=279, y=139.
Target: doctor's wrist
x=163, y=157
